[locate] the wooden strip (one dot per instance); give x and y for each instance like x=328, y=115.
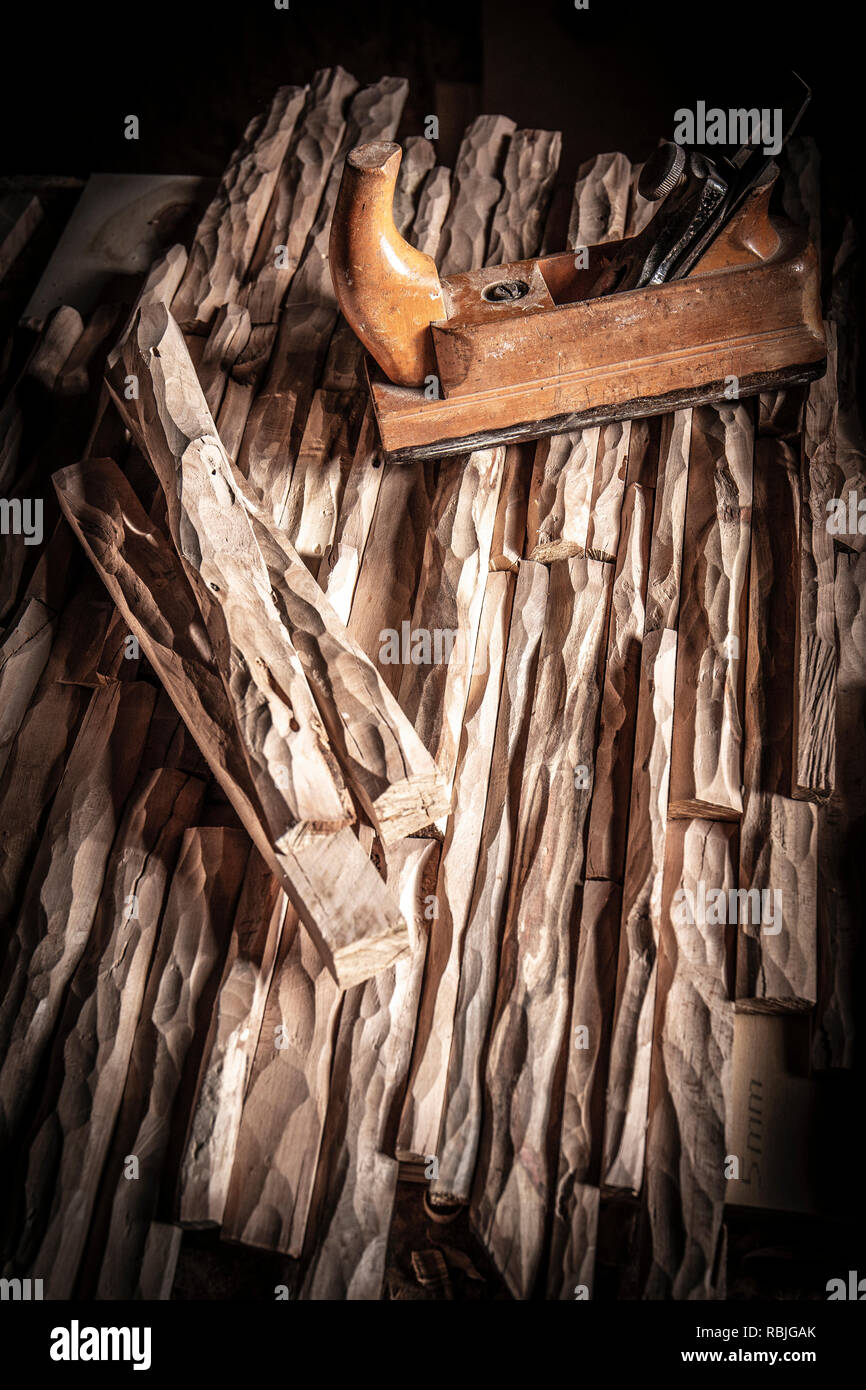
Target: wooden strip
x=23, y=655
x=422, y=1109
x=527, y=182
x=608, y=821
x=476, y=191
x=600, y=203
x=284, y=1107
x=560, y=493
x=158, y=1262
x=357, y=1179
x=509, y=527
x=417, y=163
x=356, y=926
x=449, y=600
x=460, y=1129
x=101, y=1014
x=524, y=1069
x=631, y=1045
x=193, y=938
x=340, y=567
x=706, y=758
x=433, y=204
x=57, y=911
x=230, y=1047
x=226, y=236
x=691, y=1070
x=608, y=488
x=575, y=1211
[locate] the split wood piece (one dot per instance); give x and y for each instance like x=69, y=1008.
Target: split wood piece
x=340, y=567
x=476, y=190
x=631, y=1045
x=433, y=205
x=160, y=285
x=608, y=486
x=295, y=772
x=395, y=546
x=391, y=772
x=23, y=655
x=310, y=505
x=59, y=903
x=230, y=1047
x=777, y=950
x=192, y=941
x=850, y=456
x=226, y=237
x=575, y=1210
x=100, y=1018
x=356, y=1180
x=524, y=1067
x=283, y=1113
x=460, y=1130
x=20, y=215
x=608, y=820
x=509, y=527
x=560, y=493
x=772, y=674
x=640, y=209
x=417, y=163
x=158, y=1263
x=527, y=183
x=840, y=828
x=355, y=924
x=229, y=336
x=706, y=758
x=815, y=727
x=691, y=1068
x=422, y=1108
x=601, y=198
x=449, y=601
x=296, y=198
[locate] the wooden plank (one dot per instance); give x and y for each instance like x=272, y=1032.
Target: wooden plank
x=524, y=1067
x=476, y=190
x=575, y=1207
x=527, y=181
x=101, y=1015
x=230, y=1047
x=631, y=1045
x=460, y=1130
x=608, y=488
x=226, y=236
x=449, y=601
x=357, y=1179
x=509, y=527
x=600, y=203
x=422, y=1109
x=286, y=1098
x=355, y=925
x=706, y=758
x=192, y=940
x=57, y=912
x=560, y=493
x=691, y=1069
x=608, y=820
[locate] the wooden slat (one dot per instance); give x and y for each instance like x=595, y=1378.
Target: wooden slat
x=524, y=1069
x=230, y=1047
x=691, y=1071
x=460, y=1130
x=600, y=203
x=527, y=181
x=193, y=937
x=706, y=758
x=475, y=193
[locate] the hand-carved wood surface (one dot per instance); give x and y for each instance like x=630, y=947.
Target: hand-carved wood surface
x=360, y=821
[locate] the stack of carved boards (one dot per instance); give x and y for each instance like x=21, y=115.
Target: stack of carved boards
x=361, y=821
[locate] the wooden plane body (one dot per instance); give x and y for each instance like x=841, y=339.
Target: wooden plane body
x=532, y=348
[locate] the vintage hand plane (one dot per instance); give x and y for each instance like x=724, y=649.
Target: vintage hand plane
x=713, y=297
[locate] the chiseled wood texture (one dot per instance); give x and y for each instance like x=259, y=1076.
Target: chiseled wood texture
x=691, y=1072
x=575, y=1206
x=193, y=938
x=356, y=1185
x=355, y=925
x=476, y=190
x=100, y=1018
x=707, y=753
x=422, y=1109
x=226, y=236
x=631, y=1044
x=527, y=181
x=460, y=1127
x=61, y=898
x=600, y=203
x=524, y=1069
x=230, y=1047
